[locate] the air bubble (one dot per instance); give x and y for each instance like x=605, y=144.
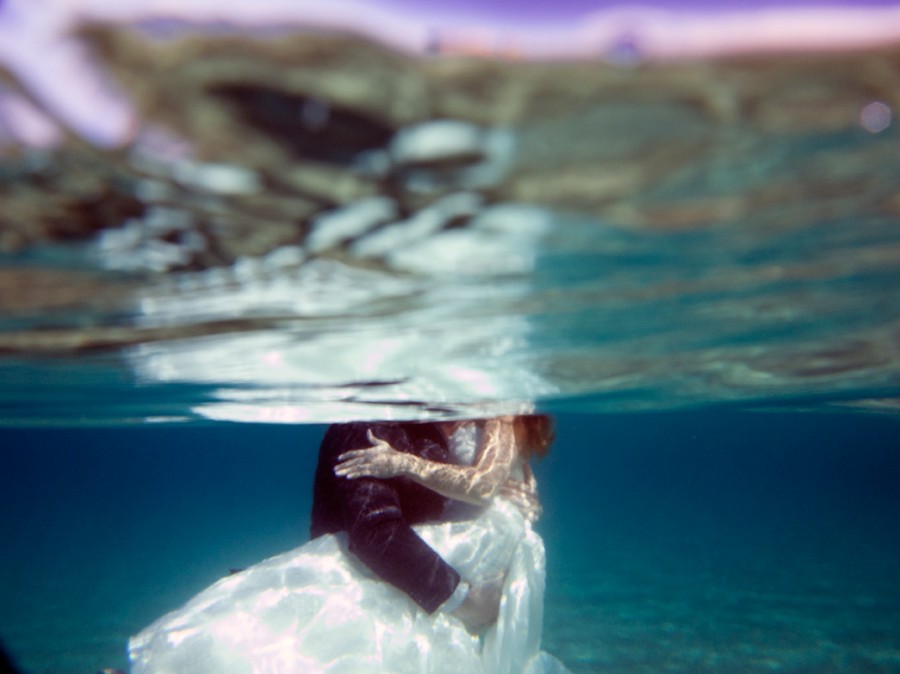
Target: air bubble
x=875, y=117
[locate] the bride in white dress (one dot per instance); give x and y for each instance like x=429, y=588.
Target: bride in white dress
x=317, y=609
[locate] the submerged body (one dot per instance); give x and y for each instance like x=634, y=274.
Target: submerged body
x=319, y=609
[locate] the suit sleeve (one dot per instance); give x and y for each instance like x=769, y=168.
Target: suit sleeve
x=382, y=538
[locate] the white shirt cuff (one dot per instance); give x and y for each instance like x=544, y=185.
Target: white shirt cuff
x=455, y=600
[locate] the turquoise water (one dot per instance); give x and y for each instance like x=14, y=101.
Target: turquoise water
x=693, y=265
x=705, y=541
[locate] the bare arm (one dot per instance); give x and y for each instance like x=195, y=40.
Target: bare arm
x=474, y=484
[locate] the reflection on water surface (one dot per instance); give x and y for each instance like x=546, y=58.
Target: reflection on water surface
x=310, y=226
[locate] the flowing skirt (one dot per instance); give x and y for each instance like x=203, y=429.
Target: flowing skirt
x=317, y=609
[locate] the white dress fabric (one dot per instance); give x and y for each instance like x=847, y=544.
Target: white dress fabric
x=318, y=610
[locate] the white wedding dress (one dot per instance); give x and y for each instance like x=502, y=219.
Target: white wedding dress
x=318, y=610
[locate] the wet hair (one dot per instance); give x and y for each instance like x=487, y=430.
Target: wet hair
x=534, y=434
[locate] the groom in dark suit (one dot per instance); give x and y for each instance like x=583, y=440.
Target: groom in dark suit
x=377, y=515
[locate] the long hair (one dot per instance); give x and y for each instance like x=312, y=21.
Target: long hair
x=534, y=434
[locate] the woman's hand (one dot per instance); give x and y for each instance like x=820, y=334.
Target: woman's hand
x=380, y=460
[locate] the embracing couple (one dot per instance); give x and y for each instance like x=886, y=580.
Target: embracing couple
x=422, y=559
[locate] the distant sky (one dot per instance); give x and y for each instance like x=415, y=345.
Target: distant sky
x=36, y=47
x=519, y=12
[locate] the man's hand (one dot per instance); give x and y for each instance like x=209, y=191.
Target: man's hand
x=380, y=460
x=481, y=606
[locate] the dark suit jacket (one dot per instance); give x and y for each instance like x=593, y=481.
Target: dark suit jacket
x=377, y=514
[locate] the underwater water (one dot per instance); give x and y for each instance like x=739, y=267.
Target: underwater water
x=218, y=235
x=706, y=541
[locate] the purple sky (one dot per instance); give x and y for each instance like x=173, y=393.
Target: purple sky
x=519, y=12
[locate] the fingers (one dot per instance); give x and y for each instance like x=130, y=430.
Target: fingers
x=352, y=463
x=351, y=473
x=355, y=468
x=365, y=452
x=371, y=461
x=352, y=454
x=378, y=445
x=378, y=442
x=374, y=439
x=345, y=470
x=355, y=463
x=374, y=461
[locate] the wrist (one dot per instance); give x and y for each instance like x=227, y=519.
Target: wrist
x=455, y=600
x=411, y=466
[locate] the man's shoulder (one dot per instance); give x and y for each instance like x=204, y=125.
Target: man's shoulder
x=416, y=437
x=427, y=440
x=423, y=430
x=355, y=435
